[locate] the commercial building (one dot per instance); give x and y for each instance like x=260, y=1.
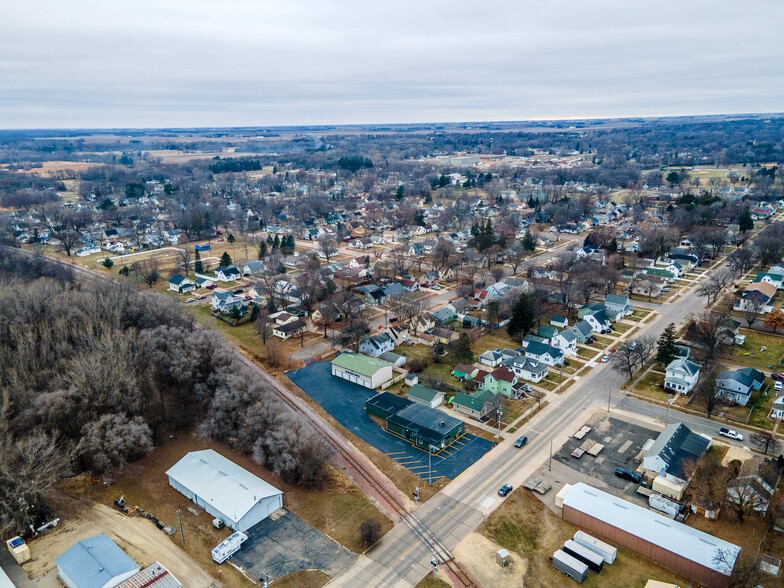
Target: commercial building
x=360, y=369
x=704, y=558
x=224, y=489
x=153, y=576
x=426, y=428
x=96, y=562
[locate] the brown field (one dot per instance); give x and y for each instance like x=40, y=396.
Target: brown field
x=50, y=167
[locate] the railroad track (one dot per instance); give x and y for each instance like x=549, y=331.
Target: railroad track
x=418, y=528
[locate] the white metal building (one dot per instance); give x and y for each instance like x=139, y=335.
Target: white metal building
x=361, y=369
x=224, y=489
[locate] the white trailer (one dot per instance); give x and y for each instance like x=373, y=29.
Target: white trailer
x=228, y=547
x=572, y=567
x=607, y=551
x=593, y=560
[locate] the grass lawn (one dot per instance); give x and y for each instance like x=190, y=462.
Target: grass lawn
x=650, y=386
x=621, y=327
x=498, y=340
x=415, y=351
x=586, y=353
x=760, y=402
x=245, y=335
x=440, y=371
x=431, y=581
x=304, y=579
x=755, y=340
x=524, y=525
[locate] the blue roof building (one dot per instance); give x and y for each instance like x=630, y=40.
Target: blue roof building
x=96, y=562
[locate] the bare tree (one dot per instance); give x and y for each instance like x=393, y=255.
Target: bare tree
x=263, y=325
x=743, y=259
x=715, y=284
x=710, y=331
x=327, y=245
x=184, y=261
x=753, y=306
x=705, y=390
x=63, y=224
x=766, y=441
x=148, y=270
x=515, y=255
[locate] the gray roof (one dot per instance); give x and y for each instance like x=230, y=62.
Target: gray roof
x=95, y=562
x=584, y=327
x=616, y=300
x=685, y=365
x=423, y=393
x=392, y=358
x=676, y=444
x=427, y=422
x=654, y=528
x=529, y=365
x=541, y=348
x=491, y=354
x=746, y=376
x=569, y=335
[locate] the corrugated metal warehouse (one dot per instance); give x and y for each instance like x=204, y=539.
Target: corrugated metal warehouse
x=673, y=545
x=224, y=489
x=361, y=369
x=96, y=562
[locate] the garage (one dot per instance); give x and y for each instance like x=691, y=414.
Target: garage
x=361, y=369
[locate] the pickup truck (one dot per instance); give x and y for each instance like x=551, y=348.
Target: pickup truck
x=730, y=434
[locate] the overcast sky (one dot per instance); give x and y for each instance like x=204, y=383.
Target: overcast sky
x=175, y=63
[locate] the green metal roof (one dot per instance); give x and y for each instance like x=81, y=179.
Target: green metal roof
x=474, y=402
x=360, y=364
x=423, y=393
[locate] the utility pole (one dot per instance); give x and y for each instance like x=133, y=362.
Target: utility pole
x=179, y=520
x=429, y=464
x=560, y=377
x=500, y=412
x=434, y=559
x=416, y=494
x=550, y=461
x=609, y=395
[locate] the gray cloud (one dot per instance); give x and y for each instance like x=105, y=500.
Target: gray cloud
x=197, y=63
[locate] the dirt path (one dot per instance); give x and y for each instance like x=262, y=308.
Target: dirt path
x=139, y=538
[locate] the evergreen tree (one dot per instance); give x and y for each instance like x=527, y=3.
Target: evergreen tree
x=235, y=313
x=225, y=260
x=108, y=263
x=531, y=201
x=492, y=315
x=419, y=218
x=231, y=239
x=276, y=243
x=746, y=223
x=197, y=265
x=400, y=194
x=666, y=351
x=269, y=239
x=461, y=350
x=523, y=318
x=262, y=250
x=528, y=241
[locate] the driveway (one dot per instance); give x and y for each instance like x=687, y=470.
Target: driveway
x=283, y=543
x=345, y=402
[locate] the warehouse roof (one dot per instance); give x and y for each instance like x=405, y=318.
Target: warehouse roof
x=153, y=576
x=221, y=482
x=668, y=534
x=361, y=364
x=95, y=562
x=388, y=402
x=430, y=424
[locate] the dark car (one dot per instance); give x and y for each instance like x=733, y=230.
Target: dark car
x=627, y=475
x=521, y=441
x=778, y=377
x=591, y=340
x=212, y=286
x=505, y=489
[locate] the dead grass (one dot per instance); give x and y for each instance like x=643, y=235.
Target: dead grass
x=303, y=579
x=526, y=527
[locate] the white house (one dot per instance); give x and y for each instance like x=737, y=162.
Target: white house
x=598, y=320
x=760, y=294
x=776, y=279
x=376, y=345
x=227, y=274
x=566, y=341
x=529, y=369
x=181, y=284
x=225, y=301
x=618, y=306
x=288, y=329
x=547, y=354
x=681, y=375
x=224, y=489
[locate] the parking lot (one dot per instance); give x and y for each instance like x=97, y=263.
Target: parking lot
x=346, y=403
x=283, y=543
x=622, y=441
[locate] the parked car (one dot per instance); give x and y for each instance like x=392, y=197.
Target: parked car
x=730, y=434
x=238, y=291
x=778, y=386
x=212, y=286
x=521, y=441
x=527, y=388
x=605, y=359
x=778, y=377
x=633, y=345
x=247, y=297
x=627, y=475
x=591, y=340
x=505, y=489
x=435, y=287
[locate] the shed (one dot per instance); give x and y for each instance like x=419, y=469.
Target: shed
x=96, y=562
x=502, y=557
x=559, y=321
x=360, y=369
x=425, y=396
x=224, y=489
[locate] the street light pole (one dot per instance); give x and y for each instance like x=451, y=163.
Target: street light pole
x=609, y=395
x=550, y=461
x=500, y=412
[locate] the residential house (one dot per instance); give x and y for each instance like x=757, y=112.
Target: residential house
x=410, y=285
x=491, y=358
x=289, y=329
x=736, y=386
x=181, y=284
x=204, y=282
x=547, y=332
x=428, y=279
x=446, y=274
x=529, y=369
x=252, y=268
x=361, y=243
x=675, y=268
x=598, y=320
x=617, y=306
x=471, y=322
x=398, y=334
x=760, y=294
x=443, y=315
x=393, y=290
x=462, y=370
x=327, y=311
x=771, y=278
x=477, y=405
x=372, y=295
x=375, y=345
x=681, y=375
x=582, y=331
x=755, y=484
x=777, y=410
x=459, y=306
x=566, y=341
x=500, y=381
x=650, y=286
x=528, y=339
x=664, y=274
x=393, y=358
x=422, y=322
x=416, y=249
x=443, y=335
x=673, y=450
x=223, y=302
x=227, y=274
x=545, y=353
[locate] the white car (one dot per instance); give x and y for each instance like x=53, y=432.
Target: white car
x=777, y=386
x=435, y=287
x=605, y=359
